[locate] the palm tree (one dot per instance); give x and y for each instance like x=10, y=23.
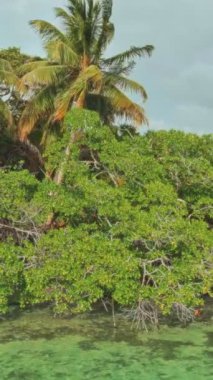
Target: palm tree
x=76, y=73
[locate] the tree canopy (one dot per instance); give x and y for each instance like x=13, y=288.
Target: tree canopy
x=131, y=223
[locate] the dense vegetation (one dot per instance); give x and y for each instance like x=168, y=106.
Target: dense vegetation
x=131, y=223
x=94, y=213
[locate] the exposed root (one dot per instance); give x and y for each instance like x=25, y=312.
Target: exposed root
x=183, y=313
x=145, y=314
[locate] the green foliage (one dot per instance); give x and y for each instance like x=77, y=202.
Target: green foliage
x=73, y=269
x=131, y=223
x=16, y=189
x=11, y=275
x=14, y=56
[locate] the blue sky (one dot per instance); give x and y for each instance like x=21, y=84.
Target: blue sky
x=179, y=75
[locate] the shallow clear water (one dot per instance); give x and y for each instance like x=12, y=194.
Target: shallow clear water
x=36, y=346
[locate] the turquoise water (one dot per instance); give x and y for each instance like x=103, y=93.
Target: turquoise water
x=35, y=346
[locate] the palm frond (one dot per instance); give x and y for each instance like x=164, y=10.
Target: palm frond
x=106, y=9
x=83, y=24
x=127, y=84
x=94, y=9
x=65, y=16
x=105, y=37
x=125, y=107
x=41, y=104
x=48, y=31
x=130, y=54
x=93, y=24
x=30, y=66
x=77, y=8
x=45, y=75
x=62, y=104
x=90, y=76
x=107, y=29
x=5, y=113
x=61, y=52
x=118, y=69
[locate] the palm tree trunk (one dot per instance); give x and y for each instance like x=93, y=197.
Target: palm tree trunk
x=31, y=155
x=80, y=103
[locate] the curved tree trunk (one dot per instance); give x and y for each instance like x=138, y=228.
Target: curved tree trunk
x=59, y=175
x=30, y=154
x=36, y=159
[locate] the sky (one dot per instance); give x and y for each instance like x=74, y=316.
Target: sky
x=179, y=75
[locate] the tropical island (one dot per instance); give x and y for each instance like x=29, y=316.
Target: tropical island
x=93, y=212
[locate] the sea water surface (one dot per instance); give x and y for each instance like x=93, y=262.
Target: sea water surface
x=36, y=346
